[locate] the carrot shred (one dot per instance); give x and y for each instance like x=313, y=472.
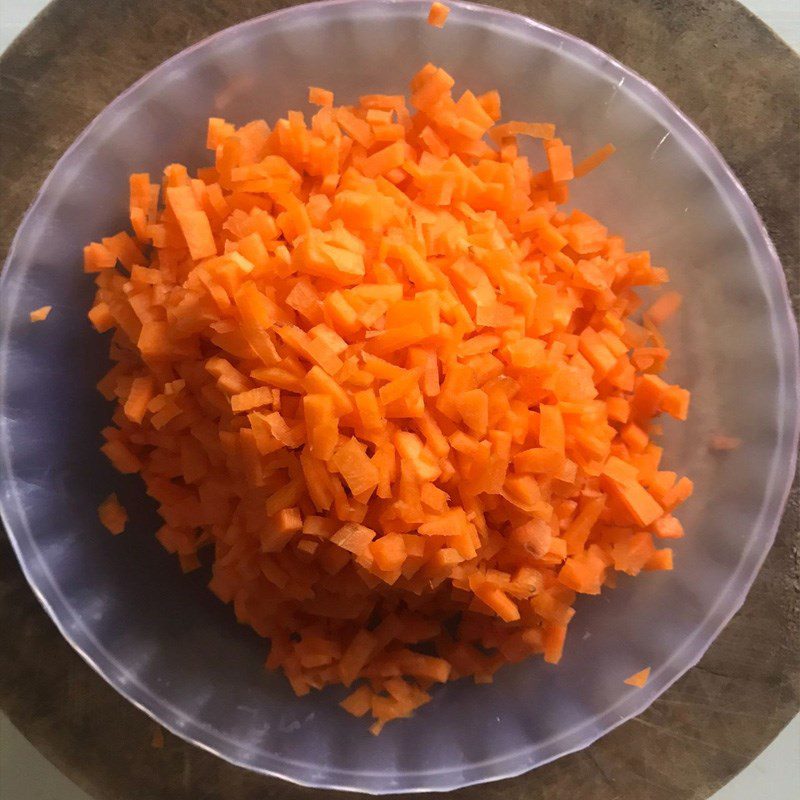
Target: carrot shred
x=594, y=160
x=157, y=740
x=369, y=361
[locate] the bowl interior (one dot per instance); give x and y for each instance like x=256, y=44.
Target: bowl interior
x=161, y=638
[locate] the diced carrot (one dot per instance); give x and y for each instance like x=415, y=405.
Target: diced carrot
x=218, y=131
x=678, y=493
x=288, y=520
x=359, y=702
x=495, y=598
x=320, y=97
x=140, y=395
x=193, y=221
x=638, y=679
x=473, y=406
x=647, y=396
x=559, y=157
x=551, y=429
x=353, y=537
x=423, y=666
x=448, y=524
x=355, y=467
x=660, y=560
x=356, y=656
x=101, y=317
x=368, y=409
x=369, y=361
x=120, y=455
x=534, y=535
x=123, y=249
x=253, y=398
x=538, y=459
x=383, y=161
x=668, y=527
x=584, y=572
x=97, y=257
x=389, y=551
x=318, y=382
x=577, y=533
x=675, y=402
x=554, y=637
x=112, y=514
x=619, y=409
x=437, y=15
x=630, y=555
x=664, y=307
x=641, y=505
x=40, y=314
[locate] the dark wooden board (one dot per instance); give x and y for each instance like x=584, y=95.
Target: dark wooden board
x=730, y=74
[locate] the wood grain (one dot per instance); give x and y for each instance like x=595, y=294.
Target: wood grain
x=731, y=75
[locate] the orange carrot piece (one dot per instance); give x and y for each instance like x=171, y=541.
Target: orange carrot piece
x=638, y=679
x=140, y=395
x=551, y=429
x=40, y=314
x=389, y=551
x=113, y=515
x=664, y=307
x=668, y=527
x=554, y=637
x=496, y=599
x=356, y=467
x=640, y=504
x=97, y=257
x=559, y=158
x=320, y=97
x=123, y=459
x=353, y=537
x=193, y=221
x=660, y=560
x=437, y=15
x=359, y=702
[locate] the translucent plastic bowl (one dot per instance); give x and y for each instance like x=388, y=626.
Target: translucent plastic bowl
x=161, y=639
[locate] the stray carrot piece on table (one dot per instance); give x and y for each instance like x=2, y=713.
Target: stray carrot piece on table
x=158, y=738
x=366, y=360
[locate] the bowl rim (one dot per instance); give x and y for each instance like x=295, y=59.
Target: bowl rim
x=782, y=317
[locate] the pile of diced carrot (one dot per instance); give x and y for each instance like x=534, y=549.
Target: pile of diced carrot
x=366, y=362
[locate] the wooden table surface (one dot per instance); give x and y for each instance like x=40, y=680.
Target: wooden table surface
x=734, y=78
